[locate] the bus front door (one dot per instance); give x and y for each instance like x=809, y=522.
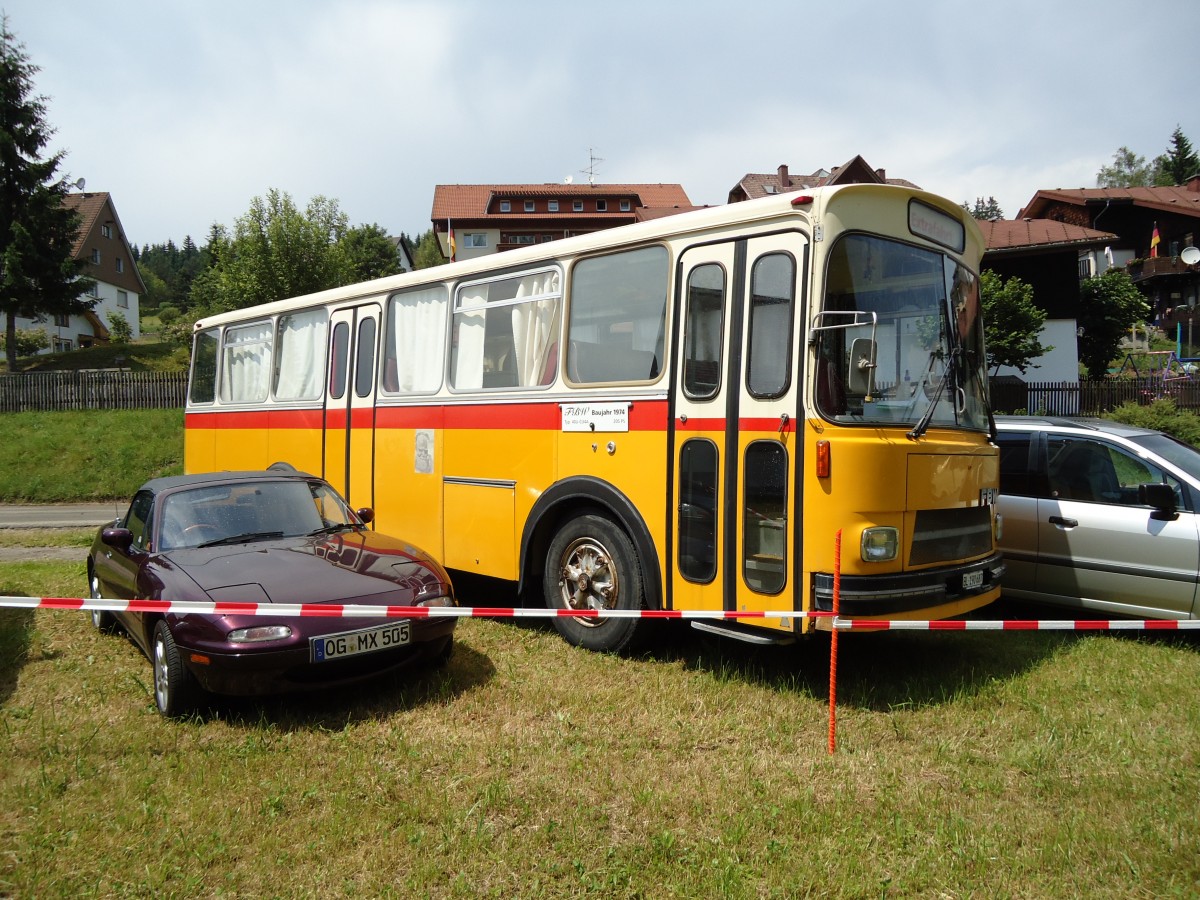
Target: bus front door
x=350, y=403
x=735, y=503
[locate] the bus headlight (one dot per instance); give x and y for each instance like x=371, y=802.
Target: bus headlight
x=880, y=544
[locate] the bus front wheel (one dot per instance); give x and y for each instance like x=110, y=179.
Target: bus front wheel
x=592, y=565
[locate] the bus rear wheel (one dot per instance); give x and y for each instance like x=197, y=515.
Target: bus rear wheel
x=592, y=565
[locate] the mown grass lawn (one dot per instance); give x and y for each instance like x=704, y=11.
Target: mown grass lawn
x=968, y=764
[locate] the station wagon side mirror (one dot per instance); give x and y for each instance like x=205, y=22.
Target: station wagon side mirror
x=1161, y=497
x=366, y=514
x=119, y=538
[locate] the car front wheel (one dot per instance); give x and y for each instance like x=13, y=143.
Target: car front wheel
x=104, y=621
x=175, y=690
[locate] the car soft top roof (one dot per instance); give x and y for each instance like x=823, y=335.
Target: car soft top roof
x=173, y=482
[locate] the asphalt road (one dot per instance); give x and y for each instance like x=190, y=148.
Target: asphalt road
x=59, y=515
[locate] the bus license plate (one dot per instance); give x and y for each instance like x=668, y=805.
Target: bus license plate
x=351, y=643
x=973, y=580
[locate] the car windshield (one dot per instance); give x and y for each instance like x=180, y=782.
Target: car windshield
x=209, y=515
x=900, y=338
x=1183, y=456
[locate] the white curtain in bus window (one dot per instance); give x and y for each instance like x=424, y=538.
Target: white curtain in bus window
x=246, y=363
x=618, y=317
x=416, y=341
x=470, y=322
x=533, y=323
x=300, y=357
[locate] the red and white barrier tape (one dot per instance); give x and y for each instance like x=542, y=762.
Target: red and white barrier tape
x=347, y=610
x=1017, y=625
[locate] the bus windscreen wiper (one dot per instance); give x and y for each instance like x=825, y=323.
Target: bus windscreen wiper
x=923, y=425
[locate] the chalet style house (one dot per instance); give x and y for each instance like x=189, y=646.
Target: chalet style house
x=102, y=243
x=489, y=218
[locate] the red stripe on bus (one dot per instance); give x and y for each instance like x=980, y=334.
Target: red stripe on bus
x=644, y=415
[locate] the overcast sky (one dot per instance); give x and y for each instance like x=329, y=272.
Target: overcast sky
x=186, y=111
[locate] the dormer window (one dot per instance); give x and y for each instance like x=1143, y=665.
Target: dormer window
x=577, y=206
x=529, y=206
x=625, y=206
x=601, y=206
x=505, y=206
x=552, y=205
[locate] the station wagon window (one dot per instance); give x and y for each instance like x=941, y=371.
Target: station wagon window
x=415, y=341
x=506, y=331
x=618, y=317
x=300, y=354
x=246, y=363
x=203, y=388
x=1099, y=472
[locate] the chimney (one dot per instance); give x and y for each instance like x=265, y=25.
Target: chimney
x=882, y=175
x=1193, y=184
x=785, y=181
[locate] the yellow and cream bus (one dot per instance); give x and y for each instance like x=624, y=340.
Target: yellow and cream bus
x=678, y=414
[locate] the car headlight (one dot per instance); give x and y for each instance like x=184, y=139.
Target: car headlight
x=880, y=544
x=259, y=633
x=436, y=601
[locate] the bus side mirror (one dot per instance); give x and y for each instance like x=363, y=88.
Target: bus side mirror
x=861, y=377
x=1161, y=497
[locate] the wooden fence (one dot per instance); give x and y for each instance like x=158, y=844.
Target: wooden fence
x=97, y=389
x=1090, y=398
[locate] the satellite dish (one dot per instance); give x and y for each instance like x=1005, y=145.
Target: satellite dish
x=568, y=179
x=1190, y=255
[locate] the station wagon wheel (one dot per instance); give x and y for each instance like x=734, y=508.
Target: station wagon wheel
x=175, y=689
x=103, y=621
x=592, y=565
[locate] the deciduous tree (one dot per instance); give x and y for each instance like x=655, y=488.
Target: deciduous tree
x=1012, y=322
x=1109, y=306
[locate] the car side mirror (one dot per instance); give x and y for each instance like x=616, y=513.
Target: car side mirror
x=1161, y=497
x=119, y=538
x=366, y=514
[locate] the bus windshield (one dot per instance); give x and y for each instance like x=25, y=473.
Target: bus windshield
x=900, y=338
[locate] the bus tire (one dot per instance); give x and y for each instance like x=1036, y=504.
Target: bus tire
x=592, y=564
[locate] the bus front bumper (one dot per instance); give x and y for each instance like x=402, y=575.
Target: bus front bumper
x=900, y=595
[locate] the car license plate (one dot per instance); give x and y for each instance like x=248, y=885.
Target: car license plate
x=351, y=643
x=972, y=580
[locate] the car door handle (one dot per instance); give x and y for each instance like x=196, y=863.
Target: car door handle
x=1064, y=522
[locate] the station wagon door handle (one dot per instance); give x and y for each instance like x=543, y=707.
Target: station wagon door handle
x=1064, y=522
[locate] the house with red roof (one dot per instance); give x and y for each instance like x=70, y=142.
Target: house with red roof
x=118, y=286
x=1154, y=227
x=489, y=218
x=751, y=186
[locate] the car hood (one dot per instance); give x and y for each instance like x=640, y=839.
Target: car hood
x=350, y=568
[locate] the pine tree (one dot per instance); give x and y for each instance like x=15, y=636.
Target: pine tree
x=1179, y=163
x=39, y=275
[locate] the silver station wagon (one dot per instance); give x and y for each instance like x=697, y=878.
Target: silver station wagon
x=1100, y=516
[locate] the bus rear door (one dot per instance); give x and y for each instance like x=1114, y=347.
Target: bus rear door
x=735, y=446
x=350, y=403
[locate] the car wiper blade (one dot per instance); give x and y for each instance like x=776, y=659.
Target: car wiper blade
x=336, y=527
x=242, y=538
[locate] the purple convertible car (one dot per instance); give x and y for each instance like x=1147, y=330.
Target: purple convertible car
x=277, y=536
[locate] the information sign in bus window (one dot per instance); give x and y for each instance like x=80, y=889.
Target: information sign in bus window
x=935, y=225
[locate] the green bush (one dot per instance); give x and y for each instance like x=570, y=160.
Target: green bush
x=168, y=314
x=1161, y=415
